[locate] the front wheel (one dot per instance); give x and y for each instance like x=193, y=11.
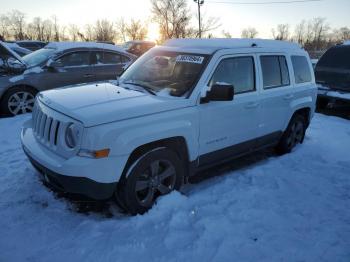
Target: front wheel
x=17, y=100
x=294, y=135
x=156, y=173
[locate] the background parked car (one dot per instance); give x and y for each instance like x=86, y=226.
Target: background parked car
x=138, y=47
x=21, y=51
x=56, y=65
x=333, y=77
x=31, y=45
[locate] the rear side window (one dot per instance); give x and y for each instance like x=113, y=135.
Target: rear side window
x=238, y=71
x=336, y=57
x=275, y=71
x=125, y=59
x=108, y=58
x=301, y=68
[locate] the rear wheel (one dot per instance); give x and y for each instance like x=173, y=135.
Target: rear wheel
x=18, y=100
x=294, y=135
x=156, y=173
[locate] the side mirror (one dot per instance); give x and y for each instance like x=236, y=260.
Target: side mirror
x=53, y=65
x=219, y=92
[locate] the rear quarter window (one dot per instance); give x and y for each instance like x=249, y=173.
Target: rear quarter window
x=302, y=72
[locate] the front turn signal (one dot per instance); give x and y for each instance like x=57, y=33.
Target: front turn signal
x=94, y=153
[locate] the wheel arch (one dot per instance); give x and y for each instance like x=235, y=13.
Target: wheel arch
x=19, y=85
x=178, y=144
x=305, y=112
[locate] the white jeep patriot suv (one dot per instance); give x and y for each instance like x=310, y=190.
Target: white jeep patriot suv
x=181, y=107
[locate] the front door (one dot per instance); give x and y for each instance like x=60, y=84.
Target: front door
x=75, y=68
x=229, y=128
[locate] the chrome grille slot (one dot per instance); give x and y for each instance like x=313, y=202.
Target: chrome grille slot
x=49, y=127
x=45, y=127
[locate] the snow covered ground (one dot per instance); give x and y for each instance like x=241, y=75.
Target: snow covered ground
x=290, y=208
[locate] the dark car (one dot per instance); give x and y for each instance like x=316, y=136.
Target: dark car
x=138, y=47
x=55, y=65
x=332, y=74
x=31, y=44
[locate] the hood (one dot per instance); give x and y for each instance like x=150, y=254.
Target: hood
x=100, y=103
x=14, y=62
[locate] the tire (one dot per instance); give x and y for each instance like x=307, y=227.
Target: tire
x=156, y=173
x=17, y=100
x=293, y=135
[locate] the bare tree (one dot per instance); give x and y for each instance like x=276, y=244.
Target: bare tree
x=342, y=34
x=104, y=30
x=55, y=28
x=136, y=30
x=89, y=33
x=73, y=31
x=5, y=27
x=173, y=18
x=121, y=29
x=300, y=32
x=207, y=25
x=17, y=22
x=226, y=34
x=249, y=32
x=281, y=32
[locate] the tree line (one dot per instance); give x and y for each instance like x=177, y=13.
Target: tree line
x=174, y=19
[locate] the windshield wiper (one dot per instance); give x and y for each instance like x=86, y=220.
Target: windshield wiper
x=148, y=89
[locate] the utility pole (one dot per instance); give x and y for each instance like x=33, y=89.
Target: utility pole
x=199, y=4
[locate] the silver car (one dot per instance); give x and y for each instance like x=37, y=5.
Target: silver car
x=56, y=65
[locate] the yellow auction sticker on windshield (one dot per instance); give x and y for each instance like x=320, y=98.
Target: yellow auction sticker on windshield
x=190, y=59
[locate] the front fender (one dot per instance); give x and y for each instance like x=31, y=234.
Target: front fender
x=125, y=136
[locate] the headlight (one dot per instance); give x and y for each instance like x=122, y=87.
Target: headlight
x=72, y=135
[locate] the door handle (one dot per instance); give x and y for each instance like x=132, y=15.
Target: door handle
x=88, y=75
x=251, y=105
x=288, y=97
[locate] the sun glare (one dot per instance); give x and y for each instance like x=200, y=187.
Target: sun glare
x=153, y=32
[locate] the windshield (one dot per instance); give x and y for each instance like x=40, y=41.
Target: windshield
x=166, y=73
x=38, y=57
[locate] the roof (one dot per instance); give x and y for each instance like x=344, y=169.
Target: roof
x=141, y=42
x=61, y=46
x=214, y=44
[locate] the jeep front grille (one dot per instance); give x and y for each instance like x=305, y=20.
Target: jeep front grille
x=45, y=128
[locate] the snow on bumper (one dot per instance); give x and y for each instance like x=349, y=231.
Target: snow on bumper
x=101, y=173
x=333, y=94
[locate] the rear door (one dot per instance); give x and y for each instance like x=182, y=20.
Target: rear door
x=277, y=93
x=107, y=65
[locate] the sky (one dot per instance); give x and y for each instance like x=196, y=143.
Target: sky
x=233, y=18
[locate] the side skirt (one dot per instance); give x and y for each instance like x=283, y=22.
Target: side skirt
x=232, y=152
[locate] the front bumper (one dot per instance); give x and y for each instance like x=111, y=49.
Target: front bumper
x=77, y=185
x=95, y=178
x=333, y=98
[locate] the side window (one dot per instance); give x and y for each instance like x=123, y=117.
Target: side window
x=275, y=71
x=238, y=71
x=108, y=58
x=75, y=59
x=301, y=68
x=125, y=59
